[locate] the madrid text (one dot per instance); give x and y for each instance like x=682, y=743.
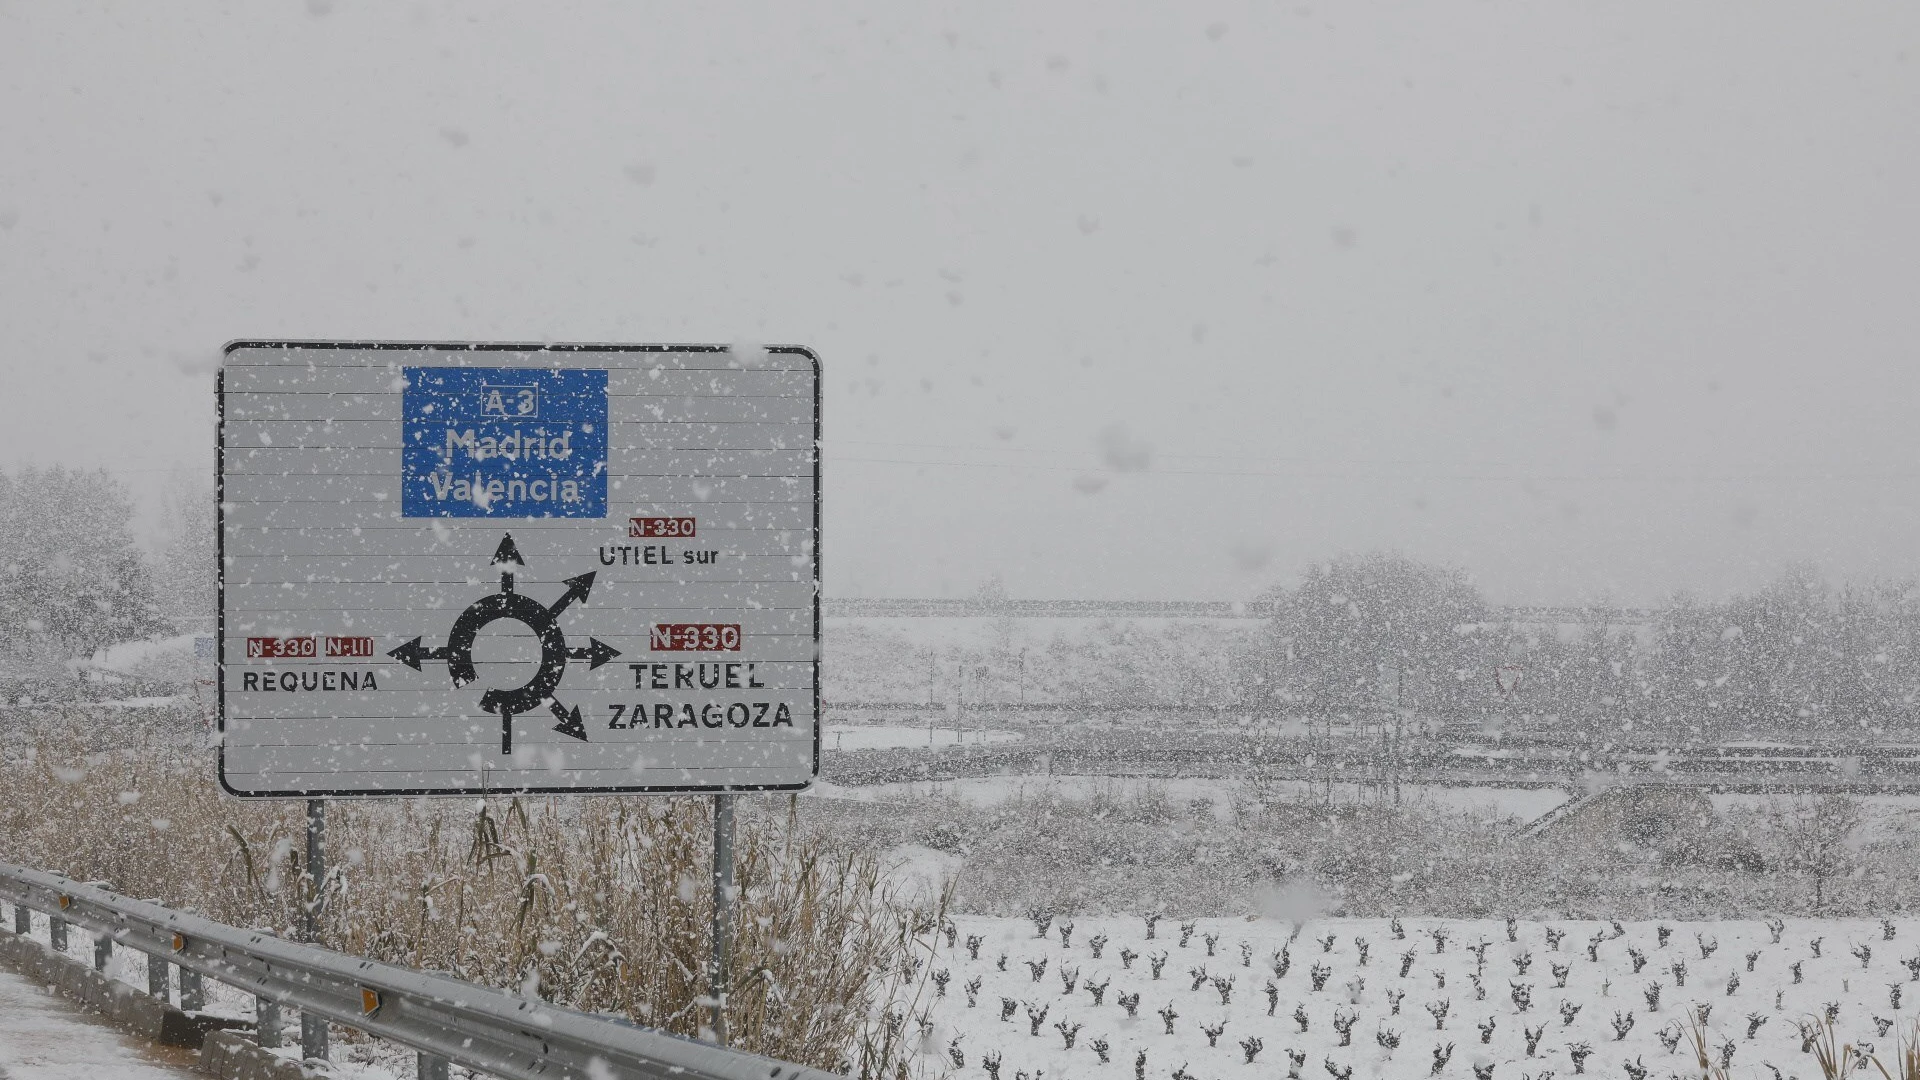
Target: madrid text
x=538, y=444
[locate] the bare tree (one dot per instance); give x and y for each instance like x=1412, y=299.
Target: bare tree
x=1814, y=839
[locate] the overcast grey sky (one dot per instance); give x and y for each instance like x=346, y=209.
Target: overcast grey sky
x=1114, y=299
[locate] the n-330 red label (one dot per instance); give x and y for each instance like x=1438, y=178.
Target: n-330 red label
x=695, y=637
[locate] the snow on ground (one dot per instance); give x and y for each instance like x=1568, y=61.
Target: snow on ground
x=993, y=790
x=1526, y=804
x=920, y=874
x=983, y=631
x=46, y=1037
x=170, y=660
x=356, y=1059
x=1415, y=986
x=881, y=737
x=1882, y=817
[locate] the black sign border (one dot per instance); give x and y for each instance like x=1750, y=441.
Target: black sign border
x=220, y=557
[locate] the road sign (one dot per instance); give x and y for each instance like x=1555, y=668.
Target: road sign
x=448, y=569
x=1507, y=677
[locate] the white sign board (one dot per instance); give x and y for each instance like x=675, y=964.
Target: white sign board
x=518, y=568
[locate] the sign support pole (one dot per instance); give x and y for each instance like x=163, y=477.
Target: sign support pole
x=313, y=1029
x=722, y=911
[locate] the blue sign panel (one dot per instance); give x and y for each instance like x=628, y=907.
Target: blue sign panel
x=504, y=443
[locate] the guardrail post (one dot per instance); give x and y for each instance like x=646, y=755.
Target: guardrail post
x=193, y=993
x=313, y=1029
x=57, y=933
x=313, y=1036
x=158, y=984
x=266, y=1022
x=22, y=919
x=432, y=1068
x=102, y=952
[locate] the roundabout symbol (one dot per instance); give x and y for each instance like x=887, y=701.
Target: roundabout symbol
x=543, y=620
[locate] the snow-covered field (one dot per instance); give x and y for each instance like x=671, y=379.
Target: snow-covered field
x=1452, y=998
x=1882, y=817
x=1526, y=804
x=882, y=737
x=987, y=631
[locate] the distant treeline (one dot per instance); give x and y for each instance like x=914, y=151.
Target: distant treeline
x=1795, y=656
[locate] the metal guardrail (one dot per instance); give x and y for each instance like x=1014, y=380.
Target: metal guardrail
x=479, y=1027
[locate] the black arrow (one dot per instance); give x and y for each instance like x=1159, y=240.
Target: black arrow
x=570, y=722
x=412, y=653
x=599, y=652
x=507, y=553
x=577, y=589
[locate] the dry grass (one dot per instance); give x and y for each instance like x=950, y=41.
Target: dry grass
x=1703, y=1060
x=1907, y=1060
x=1837, y=1060
x=602, y=904
x=1840, y=1061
